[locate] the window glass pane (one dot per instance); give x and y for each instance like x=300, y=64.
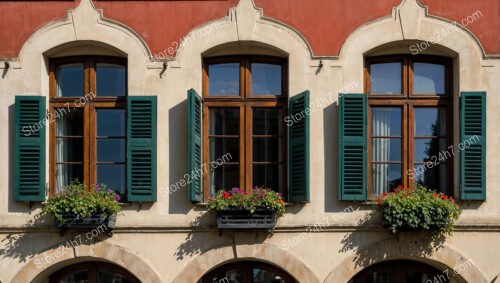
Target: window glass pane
x=430, y=121
x=384, y=149
x=267, y=121
x=76, y=277
x=385, y=78
x=220, y=147
x=111, y=80
x=111, y=122
x=111, y=150
x=65, y=173
x=432, y=177
x=428, y=78
x=224, y=121
x=413, y=275
x=224, y=177
x=386, y=121
x=70, y=80
x=385, y=177
x=112, y=175
x=267, y=149
x=232, y=276
x=224, y=79
x=433, y=150
x=381, y=276
x=264, y=276
x=269, y=176
x=105, y=276
x=69, y=122
x=266, y=79
x=69, y=150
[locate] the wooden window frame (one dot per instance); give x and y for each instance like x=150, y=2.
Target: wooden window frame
x=89, y=112
x=408, y=101
x=246, y=102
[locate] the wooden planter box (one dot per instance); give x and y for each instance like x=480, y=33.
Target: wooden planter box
x=87, y=223
x=243, y=219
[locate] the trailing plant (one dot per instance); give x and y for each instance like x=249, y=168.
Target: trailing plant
x=76, y=202
x=418, y=209
x=258, y=198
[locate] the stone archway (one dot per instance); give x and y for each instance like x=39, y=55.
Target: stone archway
x=446, y=257
x=215, y=257
x=98, y=252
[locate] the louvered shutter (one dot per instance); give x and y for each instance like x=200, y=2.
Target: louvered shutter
x=473, y=146
x=298, y=148
x=141, y=148
x=352, y=147
x=29, y=148
x=195, y=189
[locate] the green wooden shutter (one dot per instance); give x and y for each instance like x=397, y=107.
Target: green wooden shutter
x=298, y=148
x=473, y=146
x=141, y=148
x=352, y=147
x=195, y=189
x=29, y=148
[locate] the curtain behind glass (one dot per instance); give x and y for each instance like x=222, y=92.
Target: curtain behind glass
x=381, y=149
x=61, y=153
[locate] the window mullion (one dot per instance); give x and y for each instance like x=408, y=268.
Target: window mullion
x=245, y=147
x=408, y=143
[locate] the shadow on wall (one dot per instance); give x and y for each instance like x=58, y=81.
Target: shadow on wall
x=178, y=202
x=203, y=237
x=33, y=239
x=330, y=140
x=409, y=244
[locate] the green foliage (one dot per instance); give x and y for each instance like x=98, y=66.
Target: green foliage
x=418, y=209
x=75, y=202
x=259, y=198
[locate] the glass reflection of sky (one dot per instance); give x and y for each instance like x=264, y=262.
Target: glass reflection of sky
x=385, y=78
x=428, y=78
x=266, y=79
x=224, y=79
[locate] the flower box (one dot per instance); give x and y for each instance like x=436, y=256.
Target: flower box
x=77, y=207
x=417, y=209
x=88, y=223
x=244, y=219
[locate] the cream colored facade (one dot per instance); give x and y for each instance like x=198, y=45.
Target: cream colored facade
x=173, y=240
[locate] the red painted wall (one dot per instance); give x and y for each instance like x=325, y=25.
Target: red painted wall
x=325, y=23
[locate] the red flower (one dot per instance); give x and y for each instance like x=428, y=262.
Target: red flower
x=400, y=187
x=226, y=195
x=384, y=194
x=444, y=197
x=436, y=195
x=281, y=201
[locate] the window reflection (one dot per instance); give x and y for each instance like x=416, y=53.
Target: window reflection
x=428, y=78
x=266, y=79
x=385, y=78
x=69, y=79
x=224, y=79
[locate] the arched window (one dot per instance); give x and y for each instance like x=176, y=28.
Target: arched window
x=247, y=272
x=400, y=271
x=93, y=272
x=409, y=122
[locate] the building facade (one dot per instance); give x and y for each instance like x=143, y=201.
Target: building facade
x=331, y=103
